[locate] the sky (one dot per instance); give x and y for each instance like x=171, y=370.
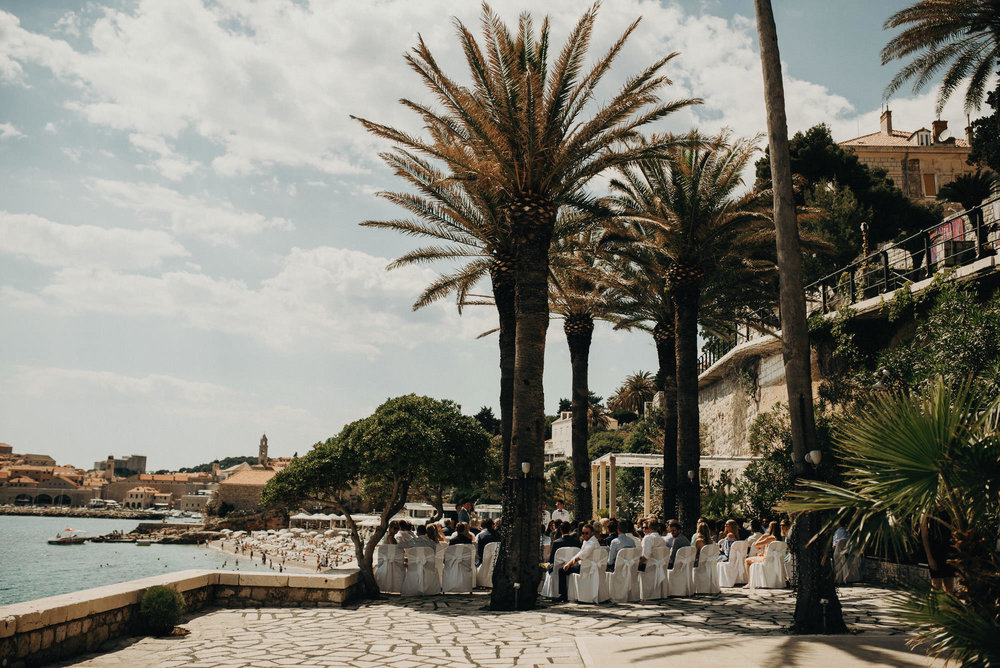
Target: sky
x=181, y=265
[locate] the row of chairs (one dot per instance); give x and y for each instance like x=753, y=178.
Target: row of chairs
x=422, y=571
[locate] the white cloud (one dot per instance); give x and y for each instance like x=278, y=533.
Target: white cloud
x=220, y=223
x=69, y=23
x=168, y=162
x=58, y=245
x=8, y=131
x=51, y=127
x=339, y=299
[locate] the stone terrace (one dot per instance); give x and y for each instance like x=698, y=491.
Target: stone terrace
x=457, y=630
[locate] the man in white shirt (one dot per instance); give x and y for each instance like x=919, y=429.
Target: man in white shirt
x=649, y=541
x=560, y=513
x=590, y=543
x=404, y=534
x=546, y=516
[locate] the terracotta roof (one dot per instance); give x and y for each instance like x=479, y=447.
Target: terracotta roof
x=66, y=480
x=900, y=138
x=23, y=480
x=148, y=490
x=250, y=477
x=171, y=477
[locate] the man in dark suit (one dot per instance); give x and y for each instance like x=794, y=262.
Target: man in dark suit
x=484, y=538
x=564, y=540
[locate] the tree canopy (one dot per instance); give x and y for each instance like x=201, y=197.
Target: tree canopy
x=408, y=442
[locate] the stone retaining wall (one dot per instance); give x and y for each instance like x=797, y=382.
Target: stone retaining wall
x=44, y=630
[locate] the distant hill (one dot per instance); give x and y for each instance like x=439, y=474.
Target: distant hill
x=224, y=463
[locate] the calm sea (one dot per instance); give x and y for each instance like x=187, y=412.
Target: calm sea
x=31, y=568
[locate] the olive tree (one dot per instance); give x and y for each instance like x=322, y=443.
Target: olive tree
x=408, y=443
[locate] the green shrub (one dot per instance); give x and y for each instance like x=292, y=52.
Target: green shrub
x=161, y=608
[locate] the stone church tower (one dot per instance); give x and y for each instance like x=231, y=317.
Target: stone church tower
x=262, y=453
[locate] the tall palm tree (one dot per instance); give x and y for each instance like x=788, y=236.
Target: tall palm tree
x=465, y=224
x=817, y=607
x=634, y=268
x=520, y=131
x=914, y=463
x=960, y=35
x=579, y=299
x=720, y=246
x=633, y=394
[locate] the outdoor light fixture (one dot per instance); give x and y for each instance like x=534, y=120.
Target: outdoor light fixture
x=584, y=484
x=691, y=476
x=814, y=457
x=525, y=467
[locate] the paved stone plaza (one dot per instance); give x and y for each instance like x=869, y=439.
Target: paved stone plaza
x=457, y=630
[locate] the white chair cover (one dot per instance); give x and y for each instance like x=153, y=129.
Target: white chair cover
x=734, y=571
x=589, y=585
x=623, y=582
x=439, y=560
x=421, y=573
x=652, y=579
x=484, y=575
x=389, y=569
x=705, y=577
x=770, y=574
x=679, y=577
x=550, y=589
x=459, y=572
x=846, y=562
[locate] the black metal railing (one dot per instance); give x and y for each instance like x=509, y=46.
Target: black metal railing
x=957, y=241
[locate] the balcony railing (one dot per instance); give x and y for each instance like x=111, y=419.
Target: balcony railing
x=958, y=241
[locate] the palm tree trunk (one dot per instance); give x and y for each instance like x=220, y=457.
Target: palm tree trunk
x=516, y=575
x=663, y=335
x=579, y=328
x=817, y=608
x=688, y=420
x=502, y=276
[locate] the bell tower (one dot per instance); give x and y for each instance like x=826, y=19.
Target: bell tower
x=262, y=453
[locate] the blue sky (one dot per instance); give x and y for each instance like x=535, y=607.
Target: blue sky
x=181, y=267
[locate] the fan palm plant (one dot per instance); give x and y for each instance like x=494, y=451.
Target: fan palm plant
x=960, y=35
x=720, y=243
x=521, y=133
x=931, y=459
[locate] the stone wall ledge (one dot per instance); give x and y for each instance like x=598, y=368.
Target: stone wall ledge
x=46, y=629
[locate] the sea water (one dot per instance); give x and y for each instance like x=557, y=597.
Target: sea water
x=30, y=568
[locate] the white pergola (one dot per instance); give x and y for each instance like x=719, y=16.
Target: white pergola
x=602, y=476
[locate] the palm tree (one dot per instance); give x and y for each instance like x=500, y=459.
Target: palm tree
x=914, y=461
x=519, y=131
x=633, y=394
x=634, y=268
x=465, y=224
x=960, y=35
x=579, y=299
x=970, y=190
x=720, y=247
x=817, y=607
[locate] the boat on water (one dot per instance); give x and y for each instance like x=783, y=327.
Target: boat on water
x=71, y=537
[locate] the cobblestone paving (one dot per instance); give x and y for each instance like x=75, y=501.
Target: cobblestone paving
x=458, y=631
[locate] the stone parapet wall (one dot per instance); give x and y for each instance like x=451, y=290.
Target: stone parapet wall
x=38, y=632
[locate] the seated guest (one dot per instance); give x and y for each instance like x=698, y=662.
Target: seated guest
x=423, y=538
x=760, y=547
x=448, y=528
x=390, y=533
x=475, y=526
x=405, y=533
x=484, y=538
x=550, y=528
x=679, y=540
x=573, y=565
x=435, y=534
x=730, y=534
x=702, y=537
x=621, y=541
x=601, y=530
x=461, y=535
x=613, y=529
x=756, y=531
x=563, y=540
x=651, y=540
x=786, y=529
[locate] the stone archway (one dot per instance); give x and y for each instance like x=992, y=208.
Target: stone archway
x=22, y=500
x=62, y=500
x=43, y=500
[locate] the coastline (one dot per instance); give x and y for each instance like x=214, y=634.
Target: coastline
x=289, y=566
x=97, y=513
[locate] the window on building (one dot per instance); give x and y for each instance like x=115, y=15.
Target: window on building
x=930, y=185
x=923, y=138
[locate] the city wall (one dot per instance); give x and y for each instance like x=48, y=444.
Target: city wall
x=38, y=632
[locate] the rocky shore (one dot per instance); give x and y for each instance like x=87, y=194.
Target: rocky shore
x=102, y=513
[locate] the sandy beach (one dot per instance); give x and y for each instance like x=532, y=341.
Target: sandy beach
x=278, y=563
